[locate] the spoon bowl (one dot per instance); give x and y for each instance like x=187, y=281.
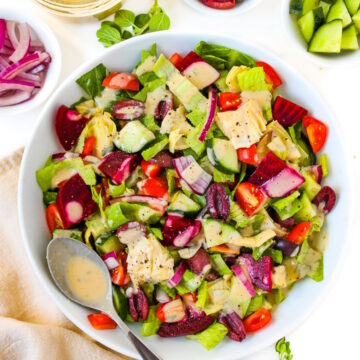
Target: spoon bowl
x=61, y=252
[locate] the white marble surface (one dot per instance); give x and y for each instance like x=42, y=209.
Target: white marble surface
x=332, y=330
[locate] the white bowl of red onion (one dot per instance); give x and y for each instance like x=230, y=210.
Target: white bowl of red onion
x=30, y=62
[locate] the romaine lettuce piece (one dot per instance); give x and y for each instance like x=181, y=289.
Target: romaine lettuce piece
x=114, y=216
x=219, y=264
x=116, y=190
x=202, y=295
x=152, y=324
x=91, y=82
x=313, y=260
x=253, y=80
x=156, y=148
x=256, y=303
x=211, y=336
x=221, y=177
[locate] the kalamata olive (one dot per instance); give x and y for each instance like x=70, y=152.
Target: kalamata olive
x=191, y=326
x=163, y=159
x=200, y=262
x=235, y=326
x=288, y=248
x=128, y=109
x=325, y=199
x=217, y=201
x=138, y=305
x=162, y=109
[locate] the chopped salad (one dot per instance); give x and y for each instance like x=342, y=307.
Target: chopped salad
x=198, y=184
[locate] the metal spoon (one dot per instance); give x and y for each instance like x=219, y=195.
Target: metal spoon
x=59, y=252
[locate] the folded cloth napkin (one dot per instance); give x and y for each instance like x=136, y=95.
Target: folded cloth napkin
x=31, y=326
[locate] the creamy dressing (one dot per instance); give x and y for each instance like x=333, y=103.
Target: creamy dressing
x=86, y=280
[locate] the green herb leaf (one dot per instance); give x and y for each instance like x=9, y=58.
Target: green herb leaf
x=282, y=347
x=159, y=21
x=91, y=82
x=124, y=18
x=141, y=20
x=108, y=35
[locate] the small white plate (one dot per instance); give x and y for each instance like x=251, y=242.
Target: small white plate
x=238, y=9
x=344, y=59
x=51, y=45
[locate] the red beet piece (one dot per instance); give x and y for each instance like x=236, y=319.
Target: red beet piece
x=119, y=165
x=74, y=201
x=174, y=226
x=259, y=271
x=68, y=126
x=286, y=112
x=128, y=110
x=138, y=305
x=199, y=262
x=269, y=167
x=163, y=159
x=235, y=326
x=192, y=325
x=217, y=201
x=325, y=199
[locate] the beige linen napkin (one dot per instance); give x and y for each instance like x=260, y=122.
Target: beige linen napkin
x=31, y=326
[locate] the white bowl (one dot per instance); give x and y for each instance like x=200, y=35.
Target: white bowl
x=238, y=9
x=305, y=295
x=291, y=29
x=51, y=45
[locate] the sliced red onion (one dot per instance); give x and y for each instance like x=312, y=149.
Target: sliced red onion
x=242, y=276
x=210, y=113
x=158, y=204
x=110, y=260
x=128, y=109
x=2, y=32
x=191, y=172
x=6, y=51
x=8, y=44
x=14, y=98
x=15, y=91
x=11, y=31
x=316, y=171
x=176, y=278
x=24, y=43
x=184, y=237
x=3, y=62
x=25, y=64
x=36, y=45
x=161, y=296
x=64, y=155
x=284, y=183
x=38, y=69
x=35, y=79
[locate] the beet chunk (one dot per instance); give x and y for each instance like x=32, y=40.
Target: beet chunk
x=192, y=325
x=235, y=326
x=199, y=262
x=74, y=201
x=163, y=159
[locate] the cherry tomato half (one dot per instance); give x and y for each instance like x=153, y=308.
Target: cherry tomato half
x=248, y=155
x=89, y=145
x=156, y=187
x=258, y=320
x=272, y=76
x=123, y=80
x=53, y=218
x=250, y=197
x=229, y=101
x=101, y=322
x=151, y=170
x=299, y=233
x=317, y=132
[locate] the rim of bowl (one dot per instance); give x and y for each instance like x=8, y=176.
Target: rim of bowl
x=294, y=36
x=239, y=8
x=350, y=185
x=51, y=44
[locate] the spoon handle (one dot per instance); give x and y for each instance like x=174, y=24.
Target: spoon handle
x=143, y=350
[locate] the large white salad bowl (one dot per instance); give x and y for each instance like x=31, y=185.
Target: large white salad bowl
x=305, y=295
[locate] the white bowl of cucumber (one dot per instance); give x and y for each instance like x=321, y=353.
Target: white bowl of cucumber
x=302, y=299
x=326, y=33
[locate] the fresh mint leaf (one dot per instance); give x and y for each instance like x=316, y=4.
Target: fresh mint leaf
x=124, y=18
x=159, y=22
x=108, y=35
x=127, y=35
x=91, y=82
x=282, y=347
x=141, y=20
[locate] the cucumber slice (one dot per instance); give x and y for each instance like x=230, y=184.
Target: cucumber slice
x=224, y=155
x=339, y=11
x=308, y=5
x=349, y=39
x=356, y=20
x=72, y=233
x=327, y=39
x=310, y=22
x=325, y=6
x=296, y=7
x=182, y=204
x=107, y=243
x=133, y=137
x=352, y=6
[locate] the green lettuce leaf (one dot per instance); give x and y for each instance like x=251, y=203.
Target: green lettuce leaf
x=152, y=324
x=212, y=336
x=91, y=82
x=155, y=149
x=253, y=80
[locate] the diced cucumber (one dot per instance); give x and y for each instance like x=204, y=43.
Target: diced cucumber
x=71, y=233
x=327, y=39
x=352, y=6
x=308, y=5
x=310, y=22
x=325, y=6
x=107, y=243
x=133, y=137
x=356, y=20
x=339, y=11
x=120, y=302
x=182, y=204
x=349, y=39
x=224, y=155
